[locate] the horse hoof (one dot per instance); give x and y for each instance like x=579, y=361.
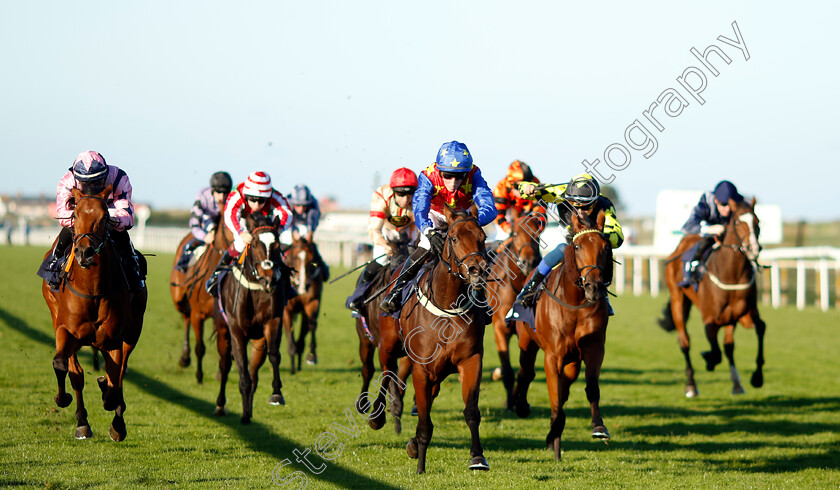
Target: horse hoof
x=199, y=377
x=738, y=390
x=600, y=432
x=311, y=359
x=117, y=430
x=691, y=391
x=479, y=463
x=757, y=379
x=83, y=432
x=220, y=411
x=360, y=408
x=497, y=374
x=523, y=410
x=245, y=420
x=414, y=410
x=397, y=425
x=184, y=361
x=277, y=400
x=63, y=401
x=411, y=448
x=712, y=360
x=377, y=423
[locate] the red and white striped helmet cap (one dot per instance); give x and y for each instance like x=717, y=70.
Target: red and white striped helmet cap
x=258, y=184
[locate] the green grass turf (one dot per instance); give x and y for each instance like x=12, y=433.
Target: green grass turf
x=784, y=435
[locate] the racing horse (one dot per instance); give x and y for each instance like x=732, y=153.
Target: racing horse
x=725, y=295
x=375, y=334
x=191, y=299
x=517, y=257
x=94, y=306
x=301, y=259
x=442, y=325
x=250, y=305
x=571, y=325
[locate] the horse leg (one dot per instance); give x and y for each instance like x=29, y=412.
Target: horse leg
x=470, y=373
x=418, y=444
x=753, y=320
x=65, y=346
x=118, y=431
x=198, y=328
x=259, y=351
x=301, y=340
x=527, y=359
x=223, y=345
x=289, y=329
x=679, y=312
x=240, y=355
x=558, y=393
x=184, y=361
x=110, y=384
x=311, y=310
x=729, y=351
x=502, y=337
x=388, y=362
x=95, y=358
x=398, y=392
x=714, y=356
x=77, y=380
x=593, y=357
x=366, y=351
x=273, y=341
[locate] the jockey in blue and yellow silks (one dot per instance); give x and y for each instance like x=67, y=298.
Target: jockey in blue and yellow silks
x=451, y=181
x=582, y=194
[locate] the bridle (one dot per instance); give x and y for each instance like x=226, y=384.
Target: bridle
x=95, y=238
x=459, y=262
x=249, y=265
x=583, y=272
x=746, y=250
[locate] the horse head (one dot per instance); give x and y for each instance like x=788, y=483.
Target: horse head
x=263, y=253
x=90, y=224
x=743, y=229
x=301, y=258
x=525, y=234
x=464, y=252
x=591, y=253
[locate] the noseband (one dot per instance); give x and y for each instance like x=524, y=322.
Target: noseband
x=93, y=237
x=585, y=270
x=454, y=258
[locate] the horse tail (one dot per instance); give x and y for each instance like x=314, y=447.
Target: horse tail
x=667, y=319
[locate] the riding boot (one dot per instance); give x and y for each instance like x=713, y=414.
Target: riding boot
x=224, y=263
x=184, y=259
x=367, y=277
x=527, y=297
x=393, y=300
x=323, y=269
x=51, y=268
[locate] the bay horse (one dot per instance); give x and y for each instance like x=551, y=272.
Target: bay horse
x=375, y=334
x=301, y=259
x=94, y=306
x=571, y=325
x=191, y=300
x=726, y=295
x=250, y=307
x=442, y=325
x=517, y=257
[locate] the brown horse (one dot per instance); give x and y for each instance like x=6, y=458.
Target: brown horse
x=250, y=306
x=516, y=259
x=301, y=258
x=94, y=306
x=443, y=327
x=726, y=294
x=571, y=326
x=375, y=334
x=191, y=299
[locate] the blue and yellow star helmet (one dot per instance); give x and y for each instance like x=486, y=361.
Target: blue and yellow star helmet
x=454, y=157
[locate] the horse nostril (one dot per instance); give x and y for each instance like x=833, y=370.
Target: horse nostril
x=474, y=271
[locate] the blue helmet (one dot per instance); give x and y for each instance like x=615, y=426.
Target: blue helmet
x=301, y=196
x=454, y=157
x=725, y=191
x=89, y=166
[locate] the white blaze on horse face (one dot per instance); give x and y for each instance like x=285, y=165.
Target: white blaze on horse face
x=267, y=239
x=748, y=219
x=302, y=283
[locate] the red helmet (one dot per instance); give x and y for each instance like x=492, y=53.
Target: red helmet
x=403, y=177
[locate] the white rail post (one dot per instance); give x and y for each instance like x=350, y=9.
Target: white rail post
x=775, y=285
x=637, y=275
x=619, y=275
x=654, y=276
x=800, y=284
x=824, y=284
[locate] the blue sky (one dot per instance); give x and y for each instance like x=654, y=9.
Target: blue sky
x=328, y=93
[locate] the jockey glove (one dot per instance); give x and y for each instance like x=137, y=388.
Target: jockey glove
x=436, y=240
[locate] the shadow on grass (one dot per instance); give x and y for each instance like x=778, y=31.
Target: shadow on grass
x=257, y=436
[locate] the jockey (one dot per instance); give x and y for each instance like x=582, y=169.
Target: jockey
x=581, y=195
x=451, y=181
x=708, y=219
x=391, y=223
x=205, y=215
x=509, y=201
x=255, y=195
x=91, y=174
x=306, y=215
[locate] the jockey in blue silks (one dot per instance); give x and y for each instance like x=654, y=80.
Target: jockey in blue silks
x=451, y=181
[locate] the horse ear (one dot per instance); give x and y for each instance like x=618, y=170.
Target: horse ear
x=105, y=192
x=575, y=222
x=474, y=211
x=76, y=193
x=447, y=212
x=752, y=204
x=602, y=217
